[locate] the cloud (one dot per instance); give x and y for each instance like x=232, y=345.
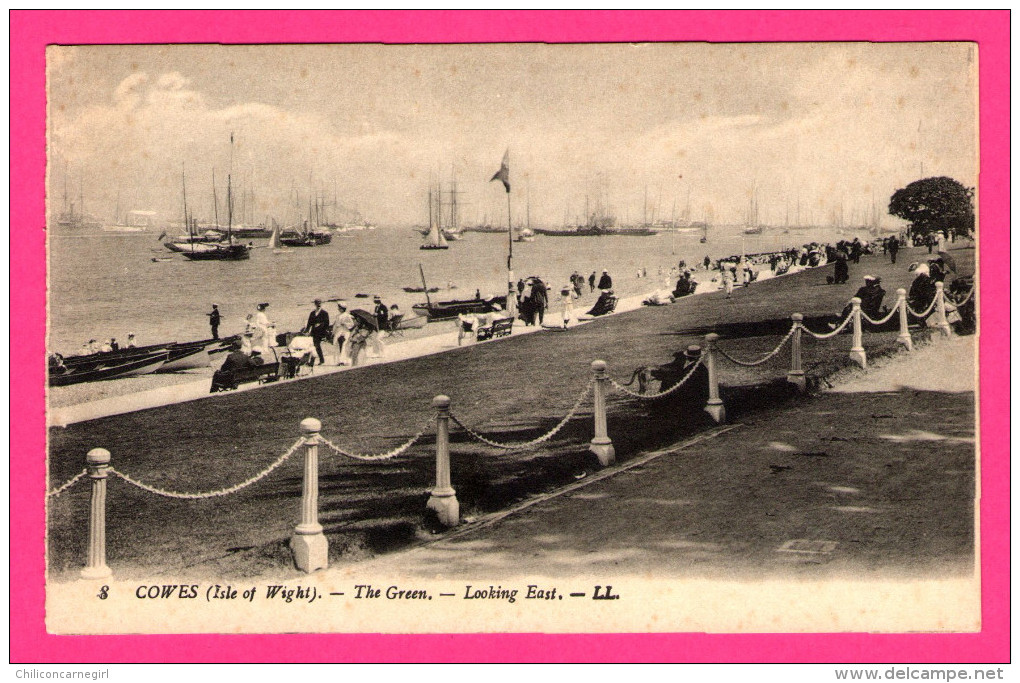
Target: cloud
x=819, y=125
x=154, y=127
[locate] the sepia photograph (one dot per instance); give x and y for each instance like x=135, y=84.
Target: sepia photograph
x=513, y=337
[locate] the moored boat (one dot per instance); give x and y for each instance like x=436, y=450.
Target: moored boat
x=306, y=238
x=219, y=252
x=434, y=239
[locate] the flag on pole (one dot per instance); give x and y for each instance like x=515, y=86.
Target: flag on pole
x=503, y=174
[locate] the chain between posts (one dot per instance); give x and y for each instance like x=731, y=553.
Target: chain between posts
x=672, y=389
x=964, y=299
x=534, y=442
x=399, y=450
x=829, y=335
x=763, y=359
x=213, y=494
x=931, y=307
x=884, y=320
x=71, y=482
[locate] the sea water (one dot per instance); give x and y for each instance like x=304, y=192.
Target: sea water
x=104, y=285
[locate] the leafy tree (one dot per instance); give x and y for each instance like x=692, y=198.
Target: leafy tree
x=935, y=204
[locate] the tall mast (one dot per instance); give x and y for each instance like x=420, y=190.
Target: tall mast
x=230, y=196
x=187, y=221
x=430, y=214
x=672, y=228
x=529, y=206
x=215, y=202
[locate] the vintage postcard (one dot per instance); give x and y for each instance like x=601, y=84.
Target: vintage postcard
x=672, y=336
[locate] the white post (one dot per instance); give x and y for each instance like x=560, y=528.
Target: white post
x=940, y=309
x=444, y=498
x=98, y=460
x=904, y=337
x=857, y=353
x=308, y=543
x=601, y=445
x=715, y=406
x=796, y=374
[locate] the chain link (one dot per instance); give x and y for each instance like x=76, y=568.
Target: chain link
x=966, y=298
x=829, y=335
x=884, y=320
x=931, y=307
x=213, y=494
x=71, y=482
x=381, y=456
x=672, y=389
x=534, y=442
x=763, y=359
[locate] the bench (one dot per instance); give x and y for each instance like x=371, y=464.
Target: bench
x=499, y=328
x=230, y=379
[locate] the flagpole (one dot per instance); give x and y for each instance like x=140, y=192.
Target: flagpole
x=511, y=295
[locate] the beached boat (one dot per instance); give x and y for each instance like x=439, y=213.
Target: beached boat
x=107, y=368
x=180, y=356
x=447, y=310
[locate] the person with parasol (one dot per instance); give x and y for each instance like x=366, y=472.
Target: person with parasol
x=365, y=326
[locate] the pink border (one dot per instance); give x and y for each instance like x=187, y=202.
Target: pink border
x=31, y=31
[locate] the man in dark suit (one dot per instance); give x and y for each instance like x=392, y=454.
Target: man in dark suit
x=214, y=321
x=318, y=327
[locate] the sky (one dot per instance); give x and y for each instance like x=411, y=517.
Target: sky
x=817, y=128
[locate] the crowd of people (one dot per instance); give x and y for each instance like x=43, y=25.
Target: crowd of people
x=351, y=335
x=107, y=346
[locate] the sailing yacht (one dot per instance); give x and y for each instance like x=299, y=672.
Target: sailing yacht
x=434, y=239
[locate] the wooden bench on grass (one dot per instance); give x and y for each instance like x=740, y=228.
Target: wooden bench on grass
x=499, y=328
x=225, y=381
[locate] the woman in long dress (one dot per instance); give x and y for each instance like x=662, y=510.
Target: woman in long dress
x=260, y=329
x=567, y=299
x=342, y=335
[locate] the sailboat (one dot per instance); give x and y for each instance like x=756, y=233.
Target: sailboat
x=452, y=231
x=434, y=239
x=525, y=233
x=753, y=225
x=447, y=310
x=221, y=251
x=77, y=220
x=307, y=237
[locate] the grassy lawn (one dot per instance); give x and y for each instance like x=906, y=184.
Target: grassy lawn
x=511, y=390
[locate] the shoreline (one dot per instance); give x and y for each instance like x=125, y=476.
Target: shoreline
x=178, y=388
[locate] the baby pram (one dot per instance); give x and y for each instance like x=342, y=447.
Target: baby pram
x=296, y=352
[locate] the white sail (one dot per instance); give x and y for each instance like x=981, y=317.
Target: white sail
x=274, y=239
